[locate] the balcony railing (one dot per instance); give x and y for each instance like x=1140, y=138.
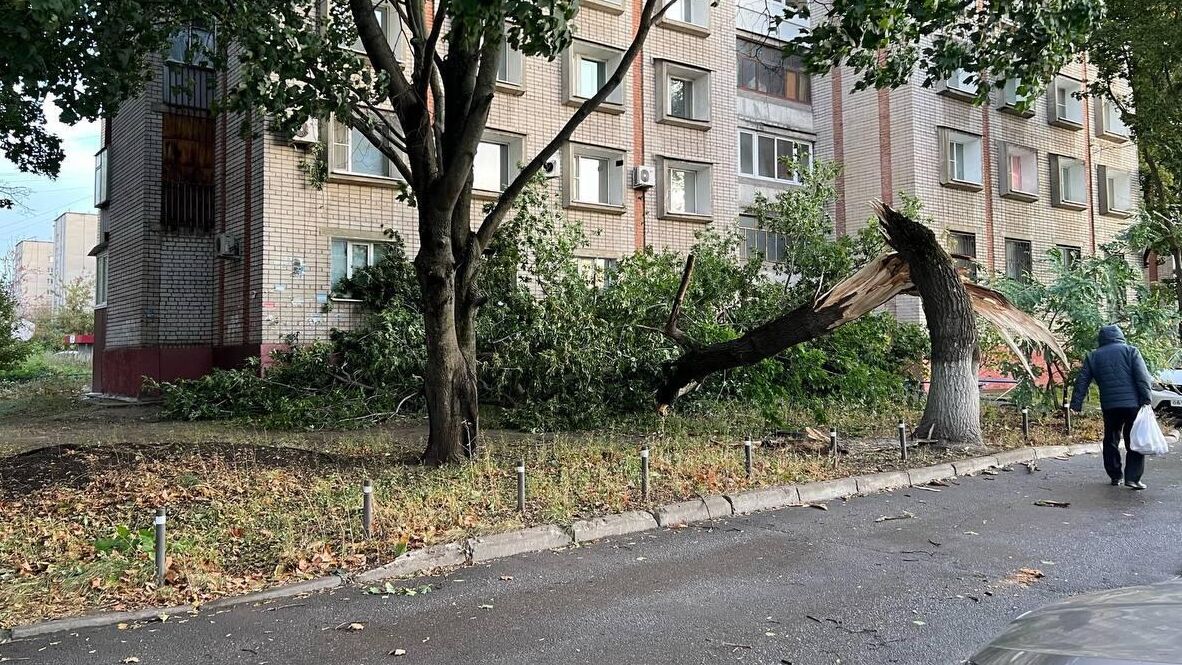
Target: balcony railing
x=188, y=86
x=186, y=206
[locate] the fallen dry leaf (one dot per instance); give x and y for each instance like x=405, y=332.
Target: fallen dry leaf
x=905, y=515
x=1024, y=576
x=398, y=652
x=818, y=506
x=130, y=659
x=352, y=626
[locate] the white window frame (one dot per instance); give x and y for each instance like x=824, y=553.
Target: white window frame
x=774, y=244
x=613, y=179
x=699, y=100
x=1058, y=165
x=688, y=15
x=598, y=271
x=102, y=178
x=572, y=73
x=511, y=160
x=510, y=69
x=1010, y=101
x=350, y=134
x=198, y=59
x=1108, y=178
x=796, y=146
x=1005, y=154
x=101, y=280
x=757, y=17
x=1068, y=111
x=971, y=152
x=391, y=26
x=703, y=188
x=958, y=86
x=351, y=245
x=1109, y=123
x=609, y=6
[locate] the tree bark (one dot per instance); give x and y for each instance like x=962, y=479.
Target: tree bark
x=953, y=410
x=1176, y=254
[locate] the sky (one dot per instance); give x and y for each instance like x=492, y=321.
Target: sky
x=73, y=190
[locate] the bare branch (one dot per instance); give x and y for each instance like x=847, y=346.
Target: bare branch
x=373, y=38
x=671, y=330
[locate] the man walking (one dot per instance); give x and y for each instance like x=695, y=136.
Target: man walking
x=1119, y=371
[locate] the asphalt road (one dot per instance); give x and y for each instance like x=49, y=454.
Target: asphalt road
x=800, y=586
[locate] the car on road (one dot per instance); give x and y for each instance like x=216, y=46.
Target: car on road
x=1129, y=626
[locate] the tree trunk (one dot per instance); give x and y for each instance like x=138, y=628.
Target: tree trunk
x=953, y=410
x=1176, y=254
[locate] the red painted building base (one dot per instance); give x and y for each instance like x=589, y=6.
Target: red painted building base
x=123, y=371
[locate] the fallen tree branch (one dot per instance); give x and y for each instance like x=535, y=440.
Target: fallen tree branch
x=671, y=330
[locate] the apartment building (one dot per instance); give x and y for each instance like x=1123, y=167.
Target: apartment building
x=214, y=248
x=1004, y=182
x=74, y=235
x=32, y=277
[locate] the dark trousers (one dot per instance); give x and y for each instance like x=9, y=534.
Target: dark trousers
x=1118, y=423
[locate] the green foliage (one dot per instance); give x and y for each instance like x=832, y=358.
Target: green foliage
x=76, y=315
x=560, y=347
x=1080, y=298
x=886, y=41
x=12, y=350
x=126, y=542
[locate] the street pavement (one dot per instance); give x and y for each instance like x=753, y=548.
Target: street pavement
x=801, y=586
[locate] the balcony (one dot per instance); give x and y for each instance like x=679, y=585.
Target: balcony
x=189, y=86
x=756, y=17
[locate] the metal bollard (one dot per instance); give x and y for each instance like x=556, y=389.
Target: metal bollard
x=1026, y=424
x=521, y=487
x=1067, y=417
x=833, y=444
x=747, y=457
x=903, y=440
x=160, y=549
x=644, y=471
x=367, y=508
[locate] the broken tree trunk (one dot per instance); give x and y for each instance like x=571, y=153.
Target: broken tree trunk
x=875, y=284
x=952, y=412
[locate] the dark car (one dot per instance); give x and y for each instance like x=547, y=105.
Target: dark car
x=1132, y=626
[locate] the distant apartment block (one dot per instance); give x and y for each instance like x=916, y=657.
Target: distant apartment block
x=74, y=235
x=32, y=277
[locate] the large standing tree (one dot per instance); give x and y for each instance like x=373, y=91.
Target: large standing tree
x=1137, y=52
x=421, y=94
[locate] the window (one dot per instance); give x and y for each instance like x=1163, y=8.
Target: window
x=1109, y=122
x=963, y=247
x=100, y=178
x=352, y=153
x=388, y=20
x=1116, y=191
x=1018, y=170
x=191, y=45
x=687, y=188
x=587, y=67
x=100, y=280
x=496, y=162
x=765, y=18
x=960, y=84
x=758, y=241
x=1069, y=255
x=1017, y=98
x=1068, y=182
x=692, y=12
x=509, y=68
x=1018, y=259
x=685, y=93
x=596, y=176
x=764, y=69
x=961, y=154
x=348, y=256
x=764, y=156
x=1063, y=105
x=599, y=272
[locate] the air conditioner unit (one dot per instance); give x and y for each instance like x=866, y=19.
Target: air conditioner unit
x=227, y=245
x=553, y=167
x=309, y=132
x=643, y=177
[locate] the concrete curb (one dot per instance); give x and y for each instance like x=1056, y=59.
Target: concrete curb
x=550, y=536
x=415, y=562
x=612, y=525
x=533, y=539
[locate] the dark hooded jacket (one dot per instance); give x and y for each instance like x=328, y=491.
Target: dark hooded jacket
x=1119, y=371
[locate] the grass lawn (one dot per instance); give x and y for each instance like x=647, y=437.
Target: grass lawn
x=250, y=509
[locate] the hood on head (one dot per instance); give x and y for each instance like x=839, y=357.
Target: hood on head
x=1109, y=335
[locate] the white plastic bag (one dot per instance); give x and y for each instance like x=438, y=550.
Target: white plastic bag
x=1146, y=437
